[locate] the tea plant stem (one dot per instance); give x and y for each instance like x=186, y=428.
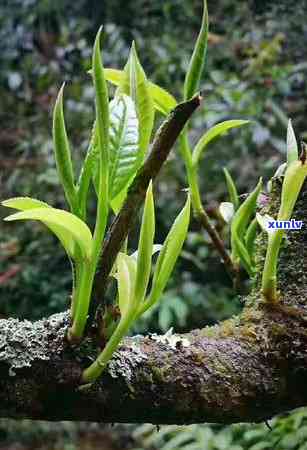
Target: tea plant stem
x=81, y=302
x=199, y=210
x=94, y=371
x=269, y=277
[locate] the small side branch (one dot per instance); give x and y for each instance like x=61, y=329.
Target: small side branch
x=164, y=140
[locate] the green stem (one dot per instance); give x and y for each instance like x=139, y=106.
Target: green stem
x=198, y=208
x=82, y=300
x=269, y=278
x=77, y=270
x=94, y=371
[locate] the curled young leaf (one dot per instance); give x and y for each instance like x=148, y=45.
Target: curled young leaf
x=292, y=148
x=250, y=238
x=163, y=100
x=197, y=62
x=212, y=133
x=232, y=190
x=62, y=152
x=126, y=276
x=89, y=168
x=238, y=229
x=168, y=255
x=74, y=234
x=145, y=248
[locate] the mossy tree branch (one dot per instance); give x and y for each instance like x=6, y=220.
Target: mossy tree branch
x=248, y=368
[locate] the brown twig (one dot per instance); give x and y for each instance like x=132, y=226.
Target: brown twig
x=123, y=222
x=219, y=245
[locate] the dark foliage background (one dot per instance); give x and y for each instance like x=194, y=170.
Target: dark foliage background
x=256, y=69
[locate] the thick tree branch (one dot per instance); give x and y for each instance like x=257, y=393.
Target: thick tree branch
x=164, y=140
x=248, y=368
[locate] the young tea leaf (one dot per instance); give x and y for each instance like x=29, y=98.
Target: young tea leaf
x=163, y=100
x=196, y=66
x=74, y=234
x=24, y=203
x=168, y=255
x=135, y=85
x=125, y=275
x=124, y=137
x=89, y=168
x=62, y=152
x=239, y=226
x=250, y=238
x=145, y=248
x=102, y=124
x=292, y=149
x=232, y=190
x=212, y=133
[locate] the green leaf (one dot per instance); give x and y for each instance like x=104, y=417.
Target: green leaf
x=292, y=149
x=102, y=123
x=169, y=254
x=212, y=133
x=239, y=226
x=163, y=100
x=135, y=85
x=74, y=234
x=24, y=203
x=232, y=190
x=62, y=152
x=250, y=237
x=145, y=248
x=124, y=137
x=117, y=202
x=89, y=168
x=125, y=275
x=197, y=62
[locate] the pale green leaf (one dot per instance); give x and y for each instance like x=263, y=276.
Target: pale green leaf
x=62, y=152
x=292, y=149
x=125, y=275
x=163, y=100
x=239, y=226
x=72, y=232
x=24, y=203
x=212, y=133
x=169, y=254
x=197, y=62
x=88, y=170
x=250, y=238
x=145, y=247
x=232, y=190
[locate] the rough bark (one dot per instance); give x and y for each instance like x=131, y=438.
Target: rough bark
x=248, y=368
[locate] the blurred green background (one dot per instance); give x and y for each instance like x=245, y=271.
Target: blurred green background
x=256, y=69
